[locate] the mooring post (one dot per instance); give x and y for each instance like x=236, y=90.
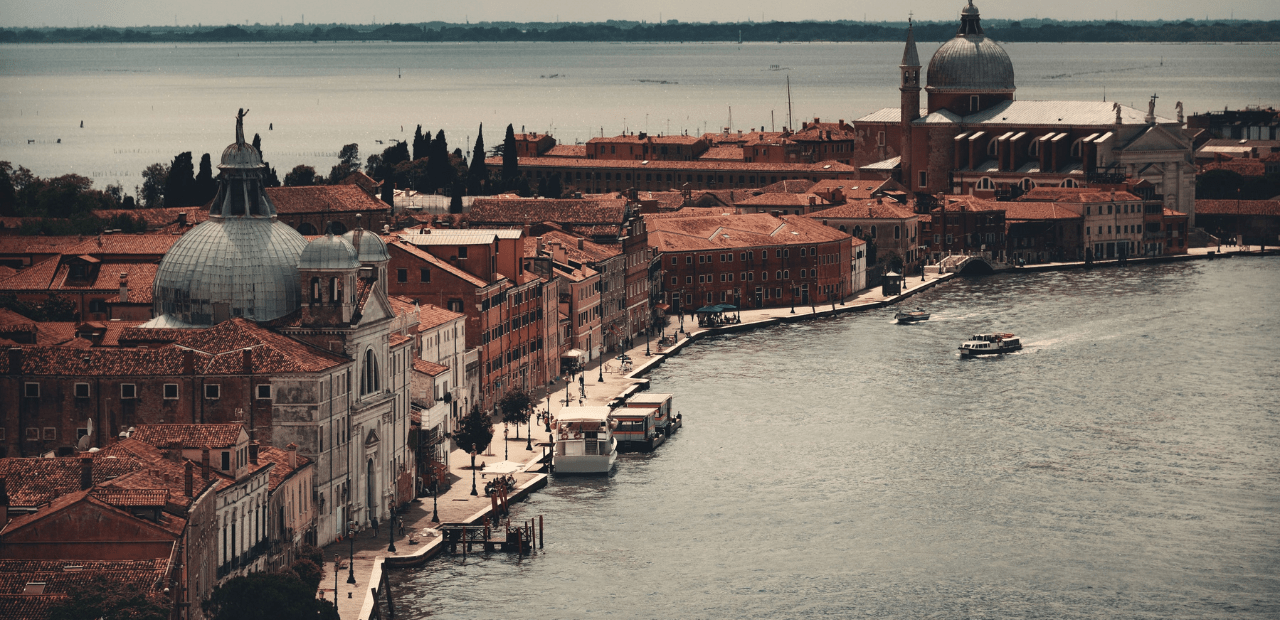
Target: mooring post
x=541, y=533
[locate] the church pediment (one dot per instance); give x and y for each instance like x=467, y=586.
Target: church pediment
x=1156, y=138
x=372, y=439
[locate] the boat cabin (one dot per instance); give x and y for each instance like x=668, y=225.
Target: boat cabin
x=663, y=418
x=637, y=429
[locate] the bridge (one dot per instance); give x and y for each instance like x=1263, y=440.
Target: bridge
x=969, y=264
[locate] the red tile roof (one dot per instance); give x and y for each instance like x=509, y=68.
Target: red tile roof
x=159, y=469
x=791, y=186
x=1238, y=207
x=189, y=435
x=722, y=153
x=1055, y=193
x=37, y=277
x=567, y=150
x=64, y=577
x=1248, y=167
x=324, y=198
x=430, y=369
x=148, y=244
x=281, y=471
x=222, y=343
x=158, y=218
x=589, y=252
x=865, y=210
x=828, y=167
x=684, y=234
x=1028, y=211
x=140, y=277
x=130, y=498
x=530, y=211
x=38, y=481
x=427, y=257
x=964, y=203
x=787, y=200
x=430, y=316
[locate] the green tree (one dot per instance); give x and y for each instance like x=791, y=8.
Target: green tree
x=267, y=596
x=478, y=173
x=153, y=183
x=510, y=162
x=180, y=184
x=515, y=408
x=475, y=431
x=440, y=170
x=300, y=175
x=348, y=163
x=420, y=143
x=8, y=193
x=257, y=144
x=308, y=571
x=206, y=186
x=105, y=598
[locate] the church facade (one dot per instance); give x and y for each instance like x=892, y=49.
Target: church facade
x=971, y=135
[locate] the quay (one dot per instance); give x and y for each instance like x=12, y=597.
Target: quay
x=603, y=386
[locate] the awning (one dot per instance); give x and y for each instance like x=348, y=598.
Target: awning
x=663, y=307
x=709, y=309
x=574, y=353
x=728, y=307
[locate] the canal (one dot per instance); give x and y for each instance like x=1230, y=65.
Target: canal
x=1125, y=464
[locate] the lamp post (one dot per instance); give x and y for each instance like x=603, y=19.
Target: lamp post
x=473, y=470
x=793, y=299
x=528, y=441
x=547, y=418
x=646, y=342
x=505, y=432
x=435, y=497
x=391, y=524
x=336, y=560
x=351, y=564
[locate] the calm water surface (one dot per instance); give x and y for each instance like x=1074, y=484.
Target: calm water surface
x=143, y=103
x=1126, y=464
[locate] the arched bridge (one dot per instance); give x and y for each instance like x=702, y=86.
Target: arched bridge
x=966, y=264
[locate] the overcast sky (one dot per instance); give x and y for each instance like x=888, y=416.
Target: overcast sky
x=190, y=12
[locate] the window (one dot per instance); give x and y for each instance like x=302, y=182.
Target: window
x=170, y=391
x=128, y=391
x=82, y=390
x=264, y=391
x=674, y=262
x=924, y=178
x=424, y=275
x=50, y=433
x=226, y=460
x=402, y=275
x=897, y=232
x=213, y=391
x=880, y=139
x=688, y=259
x=985, y=183
x=873, y=232
x=675, y=280
x=688, y=279
x=973, y=103
x=97, y=306
x=31, y=390
x=462, y=252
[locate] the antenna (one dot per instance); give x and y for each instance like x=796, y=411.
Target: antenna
x=789, y=123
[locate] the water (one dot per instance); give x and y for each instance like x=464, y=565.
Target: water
x=1123, y=465
x=143, y=103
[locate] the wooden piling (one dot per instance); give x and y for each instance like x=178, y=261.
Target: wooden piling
x=541, y=535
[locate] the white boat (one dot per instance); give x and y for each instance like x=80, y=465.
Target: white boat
x=911, y=316
x=663, y=419
x=584, y=441
x=990, y=344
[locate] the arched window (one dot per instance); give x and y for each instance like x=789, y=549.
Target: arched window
x=991, y=147
x=842, y=228
x=1033, y=149
x=857, y=231
x=306, y=229
x=1028, y=185
x=315, y=289
x=1076, y=147
x=335, y=291
x=897, y=232
x=985, y=183
x=1069, y=183
x=369, y=373
x=873, y=232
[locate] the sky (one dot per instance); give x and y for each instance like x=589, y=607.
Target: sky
x=119, y=13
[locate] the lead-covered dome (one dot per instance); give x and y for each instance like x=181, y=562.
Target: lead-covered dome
x=970, y=62
x=368, y=245
x=241, y=262
x=329, y=252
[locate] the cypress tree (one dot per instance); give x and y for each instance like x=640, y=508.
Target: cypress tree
x=206, y=187
x=180, y=185
x=510, y=163
x=257, y=143
x=419, y=144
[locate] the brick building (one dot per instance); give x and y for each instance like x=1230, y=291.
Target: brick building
x=642, y=146
x=964, y=224
x=886, y=226
x=317, y=209
x=1039, y=232
x=750, y=261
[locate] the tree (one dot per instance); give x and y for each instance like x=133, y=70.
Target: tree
x=110, y=599
x=308, y=571
x=455, y=198
x=440, y=170
x=180, y=184
x=300, y=175
x=348, y=163
x=510, y=162
x=515, y=408
x=257, y=144
x=475, y=432
x=154, y=178
x=206, y=187
x=388, y=192
x=478, y=174
x=554, y=187
x=267, y=596
x=8, y=194
x=420, y=143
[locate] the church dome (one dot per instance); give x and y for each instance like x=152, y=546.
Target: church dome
x=369, y=245
x=241, y=262
x=970, y=62
x=329, y=252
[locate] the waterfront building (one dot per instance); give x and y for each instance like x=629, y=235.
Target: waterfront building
x=291, y=512
x=964, y=224
x=888, y=228
x=972, y=136
x=1042, y=231
x=1115, y=222
x=646, y=147
x=1251, y=123
x=565, y=260
x=440, y=380
x=750, y=261
x=1254, y=221
x=813, y=142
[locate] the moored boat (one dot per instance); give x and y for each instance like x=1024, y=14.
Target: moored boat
x=911, y=316
x=637, y=429
x=990, y=344
x=584, y=441
x=664, y=420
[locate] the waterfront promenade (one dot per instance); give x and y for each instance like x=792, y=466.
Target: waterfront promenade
x=456, y=505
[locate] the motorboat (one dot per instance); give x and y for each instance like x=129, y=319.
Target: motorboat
x=584, y=441
x=990, y=344
x=666, y=422
x=911, y=316
x=637, y=429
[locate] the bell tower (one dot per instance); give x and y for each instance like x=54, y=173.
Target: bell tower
x=910, y=87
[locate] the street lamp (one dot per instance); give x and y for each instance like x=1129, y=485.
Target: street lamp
x=793, y=299
x=646, y=342
x=528, y=441
x=435, y=497
x=336, y=560
x=505, y=432
x=547, y=418
x=473, y=470
x=391, y=525
x=351, y=565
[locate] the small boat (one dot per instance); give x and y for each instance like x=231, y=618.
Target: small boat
x=584, y=441
x=637, y=429
x=990, y=344
x=911, y=316
x=664, y=421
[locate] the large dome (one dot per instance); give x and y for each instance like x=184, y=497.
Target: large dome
x=970, y=62
x=231, y=267
x=241, y=262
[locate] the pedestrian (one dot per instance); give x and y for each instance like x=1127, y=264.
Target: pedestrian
x=375, y=527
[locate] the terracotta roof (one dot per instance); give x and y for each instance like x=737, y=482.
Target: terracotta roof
x=829, y=167
x=397, y=339
x=430, y=316
x=281, y=471
x=1245, y=167
x=791, y=186
x=864, y=210
x=24, y=244
x=363, y=181
x=431, y=369
x=148, y=244
x=567, y=150
x=1238, y=207
x=784, y=200
x=158, y=218
x=271, y=352
x=402, y=305
x=427, y=257
x=140, y=278
x=189, y=435
x=723, y=153
x=683, y=234
x=824, y=132
x=564, y=211
x=589, y=252
x=159, y=469
x=129, y=498
x=1036, y=210
x=15, y=328
x=169, y=522
x=63, y=577
x=1171, y=213
x=37, y=277
x=324, y=198
x=1055, y=193
x=852, y=189
x=38, y=481
x=963, y=203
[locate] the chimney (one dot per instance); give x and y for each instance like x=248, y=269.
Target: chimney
x=187, y=475
x=182, y=218
x=246, y=362
x=580, y=243
x=813, y=200
x=204, y=464
x=292, y=449
x=4, y=504
x=541, y=246
x=253, y=452
x=124, y=287
x=86, y=473
x=188, y=362
x=15, y=360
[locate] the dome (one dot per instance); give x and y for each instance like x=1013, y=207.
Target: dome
x=240, y=154
x=231, y=267
x=329, y=252
x=369, y=245
x=970, y=62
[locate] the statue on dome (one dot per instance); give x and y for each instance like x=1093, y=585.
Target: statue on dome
x=240, y=125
